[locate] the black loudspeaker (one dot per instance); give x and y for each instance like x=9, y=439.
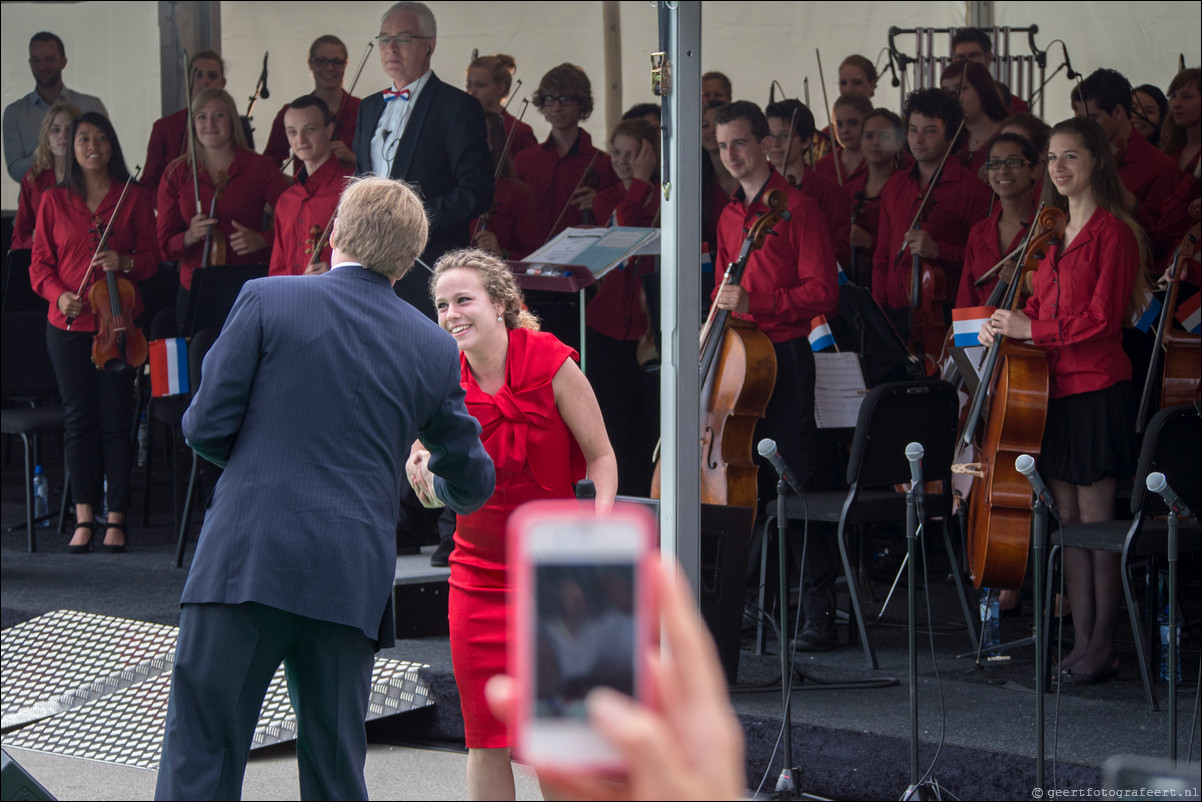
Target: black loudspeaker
x=725, y=540
x=16, y=783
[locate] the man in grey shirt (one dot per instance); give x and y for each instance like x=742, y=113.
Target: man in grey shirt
x=23, y=118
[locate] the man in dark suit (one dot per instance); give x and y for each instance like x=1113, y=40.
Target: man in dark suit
x=312, y=407
x=428, y=133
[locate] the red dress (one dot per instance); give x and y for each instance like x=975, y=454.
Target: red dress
x=536, y=457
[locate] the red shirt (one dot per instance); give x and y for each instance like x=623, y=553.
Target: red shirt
x=301, y=216
x=792, y=278
x=168, y=142
x=835, y=204
x=959, y=202
x=1152, y=178
x=552, y=180
x=617, y=309
x=981, y=254
x=32, y=189
x=67, y=237
x=512, y=218
x=1079, y=304
x=344, y=119
x=826, y=166
x=523, y=139
x=254, y=184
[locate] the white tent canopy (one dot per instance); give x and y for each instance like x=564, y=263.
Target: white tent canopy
x=113, y=48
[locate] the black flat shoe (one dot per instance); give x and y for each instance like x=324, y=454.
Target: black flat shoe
x=1109, y=670
x=115, y=548
x=83, y=548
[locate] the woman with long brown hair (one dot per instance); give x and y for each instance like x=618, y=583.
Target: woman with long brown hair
x=1083, y=293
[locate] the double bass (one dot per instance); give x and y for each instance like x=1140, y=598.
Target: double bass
x=1016, y=380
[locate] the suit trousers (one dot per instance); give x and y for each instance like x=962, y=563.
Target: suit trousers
x=224, y=661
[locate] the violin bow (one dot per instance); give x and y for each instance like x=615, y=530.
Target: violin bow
x=191, y=131
x=830, y=126
x=512, y=94
x=108, y=229
x=580, y=183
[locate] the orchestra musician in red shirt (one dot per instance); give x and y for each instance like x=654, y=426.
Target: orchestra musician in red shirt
x=306, y=209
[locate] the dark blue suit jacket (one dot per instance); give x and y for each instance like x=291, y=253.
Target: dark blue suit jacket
x=444, y=156
x=313, y=395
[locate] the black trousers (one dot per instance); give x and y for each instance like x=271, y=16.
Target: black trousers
x=789, y=420
x=100, y=407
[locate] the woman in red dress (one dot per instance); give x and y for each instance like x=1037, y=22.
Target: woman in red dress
x=543, y=429
x=49, y=169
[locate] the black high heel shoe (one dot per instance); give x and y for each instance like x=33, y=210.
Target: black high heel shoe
x=86, y=546
x=116, y=548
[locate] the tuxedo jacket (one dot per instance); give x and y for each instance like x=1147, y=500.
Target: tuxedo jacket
x=312, y=397
x=444, y=155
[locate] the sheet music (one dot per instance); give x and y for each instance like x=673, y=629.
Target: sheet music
x=598, y=249
x=839, y=390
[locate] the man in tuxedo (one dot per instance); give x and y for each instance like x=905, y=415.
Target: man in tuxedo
x=312, y=408
x=427, y=133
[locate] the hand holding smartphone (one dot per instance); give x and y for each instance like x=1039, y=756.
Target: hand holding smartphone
x=582, y=620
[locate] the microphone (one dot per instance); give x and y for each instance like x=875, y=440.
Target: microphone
x=1159, y=485
x=767, y=449
x=1025, y=464
x=1070, y=73
x=263, y=79
x=914, y=453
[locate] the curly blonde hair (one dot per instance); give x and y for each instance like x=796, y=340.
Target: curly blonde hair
x=497, y=280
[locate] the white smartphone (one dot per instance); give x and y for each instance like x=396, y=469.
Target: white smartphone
x=582, y=618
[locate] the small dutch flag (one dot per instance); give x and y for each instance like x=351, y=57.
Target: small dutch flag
x=967, y=322
x=821, y=337
x=1189, y=314
x=1147, y=319
x=169, y=367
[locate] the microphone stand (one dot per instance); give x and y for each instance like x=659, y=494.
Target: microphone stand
x=925, y=789
x=1038, y=545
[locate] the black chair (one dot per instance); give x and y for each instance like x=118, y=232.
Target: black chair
x=27, y=378
x=891, y=416
x=1171, y=446
x=200, y=344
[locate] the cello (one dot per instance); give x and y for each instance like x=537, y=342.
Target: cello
x=1016, y=380
x=1182, y=357
x=738, y=374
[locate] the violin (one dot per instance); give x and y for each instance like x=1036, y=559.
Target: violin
x=214, y=247
x=1016, y=379
x=118, y=345
x=928, y=292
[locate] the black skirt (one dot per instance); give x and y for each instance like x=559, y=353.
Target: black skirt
x=1089, y=436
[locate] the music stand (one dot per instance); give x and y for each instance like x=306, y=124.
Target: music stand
x=214, y=290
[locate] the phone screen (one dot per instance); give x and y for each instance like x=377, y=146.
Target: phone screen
x=585, y=634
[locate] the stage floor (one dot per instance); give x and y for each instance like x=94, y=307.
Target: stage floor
x=847, y=743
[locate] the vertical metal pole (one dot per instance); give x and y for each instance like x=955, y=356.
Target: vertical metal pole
x=188, y=25
x=680, y=421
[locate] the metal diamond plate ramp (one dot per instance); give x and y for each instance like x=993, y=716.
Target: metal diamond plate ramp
x=97, y=688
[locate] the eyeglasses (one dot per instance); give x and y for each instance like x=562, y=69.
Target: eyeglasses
x=563, y=100
x=321, y=62
x=1012, y=163
x=398, y=41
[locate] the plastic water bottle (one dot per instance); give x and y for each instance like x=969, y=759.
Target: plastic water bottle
x=41, y=497
x=143, y=441
x=991, y=632
x=1166, y=635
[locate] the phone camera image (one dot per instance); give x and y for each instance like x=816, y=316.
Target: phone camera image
x=585, y=635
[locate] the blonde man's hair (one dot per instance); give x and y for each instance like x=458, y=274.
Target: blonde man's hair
x=381, y=224
x=497, y=280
